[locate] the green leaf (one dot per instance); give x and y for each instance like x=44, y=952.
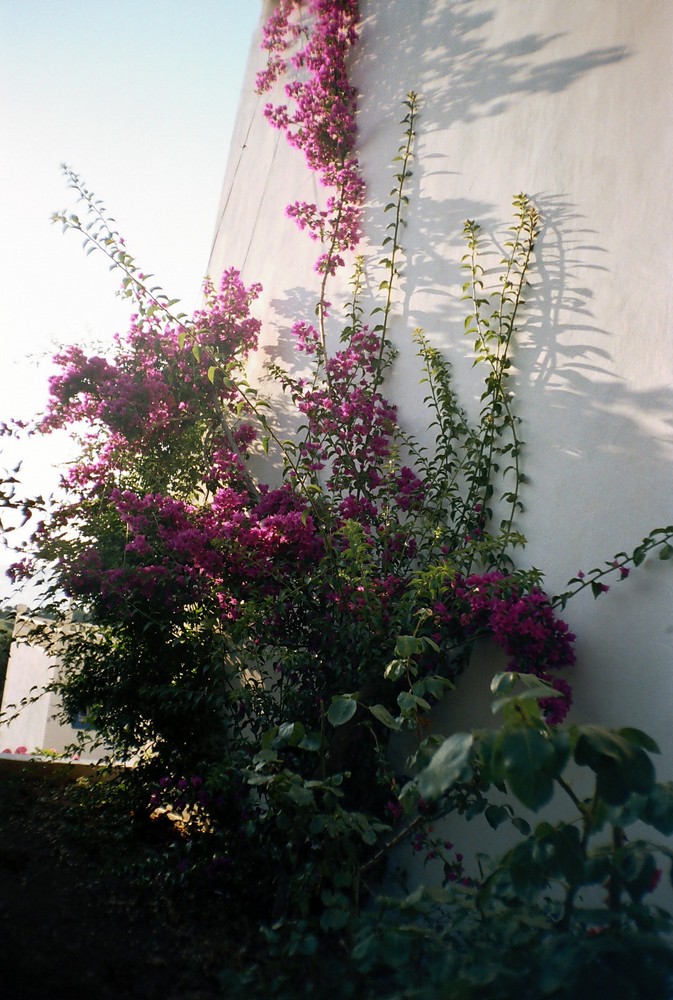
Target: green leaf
x=408, y=797
x=637, y=868
x=407, y=645
x=503, y=684
x=595, y=743
x=267, y=739
x=212, y=371
x=334, y=919
x=521, y=706
x=451, y=763
x=615, y=782
x=523, y=696
x=496, y=815
x=559, y=851
x=300, y=795
x=619, y=762
x=290, y=734
x=381, y=713
x=342, y=709
x=658, y=808
x=395, y=670
x=409, y=702
x=639, y=739
x=521, y=825
x=311, y=742
x=528, y=762
x=436, y=685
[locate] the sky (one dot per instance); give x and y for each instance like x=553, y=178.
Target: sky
x=139, y=97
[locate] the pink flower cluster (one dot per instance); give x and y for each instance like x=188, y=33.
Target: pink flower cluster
x=280, y=31
x=225, y=325
x=322, y=122
x=157, y=387
x=372, y=602
x=360, y=426
x=350, y=426
x=410, y=489
x=177, y=553
x=523, y=624
x=307, y=338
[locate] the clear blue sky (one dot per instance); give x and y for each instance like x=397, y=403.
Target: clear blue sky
x=139, y=97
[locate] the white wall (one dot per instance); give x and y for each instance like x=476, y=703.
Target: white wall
x=31, y=718
x=28, y=670
x=570, y=102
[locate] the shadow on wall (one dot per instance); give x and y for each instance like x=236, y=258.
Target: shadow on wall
x=565, y=353
x=563, y=360
x=592, y=413
x=460, y=77
x=580, y=416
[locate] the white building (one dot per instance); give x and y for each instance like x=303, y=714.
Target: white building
x=31, y=717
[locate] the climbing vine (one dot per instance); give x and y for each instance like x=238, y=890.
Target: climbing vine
x=253, y=647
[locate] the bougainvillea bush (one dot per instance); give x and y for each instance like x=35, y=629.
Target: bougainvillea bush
x=252, y=646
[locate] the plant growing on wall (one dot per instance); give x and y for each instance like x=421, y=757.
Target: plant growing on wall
x=254, y=646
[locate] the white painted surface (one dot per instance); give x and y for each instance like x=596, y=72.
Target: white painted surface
x=33, y=716
x=28, y=670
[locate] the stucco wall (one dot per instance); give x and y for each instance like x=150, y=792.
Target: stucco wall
x=28, y=670
x=31, y=717
x=570, y=102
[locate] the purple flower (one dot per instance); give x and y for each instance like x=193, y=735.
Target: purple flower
x=394, y=809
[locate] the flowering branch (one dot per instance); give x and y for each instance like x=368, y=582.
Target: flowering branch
x=660, y=538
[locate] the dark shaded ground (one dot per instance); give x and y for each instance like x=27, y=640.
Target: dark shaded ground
x=69, y=926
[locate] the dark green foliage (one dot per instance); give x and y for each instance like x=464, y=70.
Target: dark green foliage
x=565, y=913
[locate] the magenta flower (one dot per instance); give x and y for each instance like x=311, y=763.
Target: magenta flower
x=320, y=117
